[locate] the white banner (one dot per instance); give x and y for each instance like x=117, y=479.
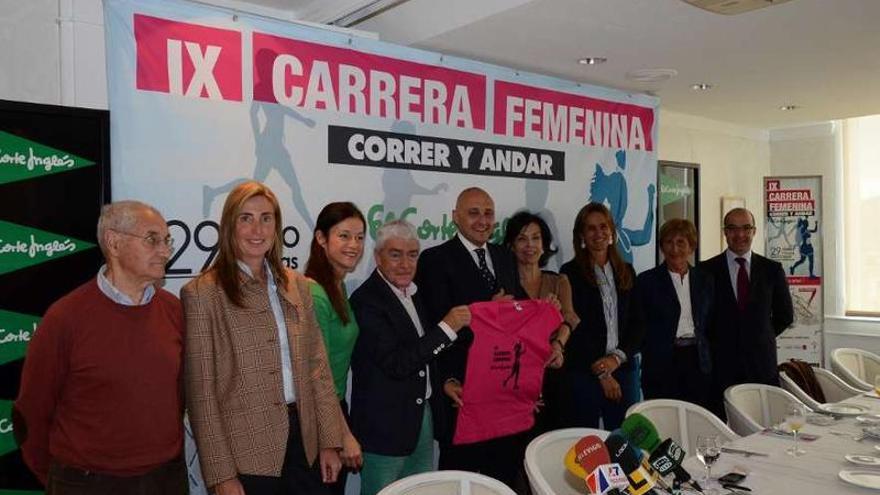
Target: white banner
x=202, y=99
x=793, y=237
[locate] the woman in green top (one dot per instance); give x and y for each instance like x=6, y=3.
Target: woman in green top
x=336, y=249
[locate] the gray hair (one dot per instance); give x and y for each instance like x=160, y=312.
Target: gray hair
x=121, y=216
x=395, y=229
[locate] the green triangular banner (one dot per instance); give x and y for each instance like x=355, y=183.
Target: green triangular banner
x=672, y=190
x=22, y=159
x=7, y=440
x=16, y=332
x=22, y=246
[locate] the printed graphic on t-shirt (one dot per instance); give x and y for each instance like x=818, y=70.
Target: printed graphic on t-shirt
x=505, y=368
x=502, y=360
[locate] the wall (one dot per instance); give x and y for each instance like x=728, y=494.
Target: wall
x=53, y=52
x=733, y=161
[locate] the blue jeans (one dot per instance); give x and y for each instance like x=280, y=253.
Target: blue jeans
x=588, y=402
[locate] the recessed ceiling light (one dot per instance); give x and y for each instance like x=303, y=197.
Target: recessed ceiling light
x=701, y=87
x=786, y=108
x=592, y=60
x=651, y=75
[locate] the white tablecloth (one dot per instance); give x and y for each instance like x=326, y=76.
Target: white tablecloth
x=815, y=472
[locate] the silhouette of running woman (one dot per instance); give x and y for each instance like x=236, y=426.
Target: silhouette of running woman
x=518, y=351
x=271, y=153
x=806, y=246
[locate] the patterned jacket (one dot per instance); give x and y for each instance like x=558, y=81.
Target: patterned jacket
x=233, y=378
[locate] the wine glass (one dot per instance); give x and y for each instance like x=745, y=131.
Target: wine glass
x=708, y=451
x=796, y=416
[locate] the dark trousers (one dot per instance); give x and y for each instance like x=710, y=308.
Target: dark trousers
x=556, y=399
x=588, y=402
x=297, y=476
x=500, y=458
x=683, y=380
x=168, y=479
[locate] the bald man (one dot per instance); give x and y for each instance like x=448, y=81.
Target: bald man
x=752, y=306
x=464, y=270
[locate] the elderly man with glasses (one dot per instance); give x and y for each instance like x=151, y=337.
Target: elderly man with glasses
x=100, y=405
x=752, y=306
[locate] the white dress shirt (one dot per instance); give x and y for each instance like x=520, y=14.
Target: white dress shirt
x=682, y=286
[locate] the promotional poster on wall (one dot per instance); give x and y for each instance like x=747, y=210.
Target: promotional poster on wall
x=793, y=237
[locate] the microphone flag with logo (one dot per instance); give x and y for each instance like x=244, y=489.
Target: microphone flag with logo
x=585, y=455
x=640, y=479
x=607, y=479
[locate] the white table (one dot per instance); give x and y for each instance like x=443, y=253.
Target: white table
x=815, y=472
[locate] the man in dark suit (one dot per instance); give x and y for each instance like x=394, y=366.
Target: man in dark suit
x=464, y=270
x=752, y=307
x=676, y=301
x=393, y=363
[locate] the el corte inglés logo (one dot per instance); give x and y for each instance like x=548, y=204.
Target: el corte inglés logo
x=22, y=159
x=22, y=246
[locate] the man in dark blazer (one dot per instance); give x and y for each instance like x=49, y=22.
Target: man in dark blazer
x=393, y=363
x=752, y=307
x=464, y=270
x=676, y=301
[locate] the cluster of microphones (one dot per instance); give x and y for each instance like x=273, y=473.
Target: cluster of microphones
x=618, y=465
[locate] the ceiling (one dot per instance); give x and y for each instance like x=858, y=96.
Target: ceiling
x=821, y=55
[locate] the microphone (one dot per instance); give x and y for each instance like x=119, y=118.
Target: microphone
x=641, y=431
x=607, y=479
x=640, y=479
x=665, y=457
x=585, y=455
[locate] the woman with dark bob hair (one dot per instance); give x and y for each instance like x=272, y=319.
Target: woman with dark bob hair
x=675, y=299
x=258, y=384
x=601, y=360
x=529, y=238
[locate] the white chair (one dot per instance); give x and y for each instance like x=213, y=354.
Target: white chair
x=447, y=483
x=856, y=367
x=834, y=389
x=751, y=407
x=682, y=421
x=544, y=461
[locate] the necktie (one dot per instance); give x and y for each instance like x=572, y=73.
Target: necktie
x=484, y=269
x=742, y=284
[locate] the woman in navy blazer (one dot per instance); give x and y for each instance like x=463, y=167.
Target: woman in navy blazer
x=601, y=358
x=676, y=299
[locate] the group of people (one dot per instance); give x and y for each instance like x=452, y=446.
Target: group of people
x=259, y=355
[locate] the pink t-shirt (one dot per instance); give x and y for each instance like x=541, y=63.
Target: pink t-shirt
x=505, y=368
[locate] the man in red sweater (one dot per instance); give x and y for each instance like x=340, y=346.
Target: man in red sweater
x=100, y=405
